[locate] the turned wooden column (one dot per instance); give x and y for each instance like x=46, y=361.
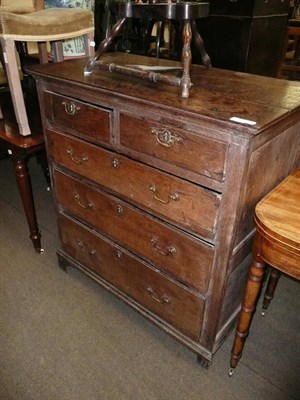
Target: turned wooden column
x=24, y=184
x=20, y=148
x=253, y=288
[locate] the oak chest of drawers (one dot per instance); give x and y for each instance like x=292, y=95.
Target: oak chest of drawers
x=155, y=194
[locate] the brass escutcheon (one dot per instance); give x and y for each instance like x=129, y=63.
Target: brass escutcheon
x=70, y=108
x=115, y=163
x=120, y=209
x=119, y=254
x=164, y=137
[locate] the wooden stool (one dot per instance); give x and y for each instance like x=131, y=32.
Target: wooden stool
x=277, y=243
x=184, y=12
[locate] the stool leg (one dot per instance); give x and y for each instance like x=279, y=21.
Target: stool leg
x=104, y=45
x=24, y=184
x=186, y=59
x=200, y=46
x=159, y=32
x=270, y=289
x=253, y=287
x=13, y=77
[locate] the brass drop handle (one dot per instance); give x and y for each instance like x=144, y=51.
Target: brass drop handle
x=85, y=249
x=75, y=159
x=168, y=251
x=86, y=206
x=156, y=297
x=164, y=137
x=70, y=107
x=172, y=196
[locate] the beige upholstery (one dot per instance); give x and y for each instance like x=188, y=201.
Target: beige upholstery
x=21, y=6
x=17, y=9
x=50, y=25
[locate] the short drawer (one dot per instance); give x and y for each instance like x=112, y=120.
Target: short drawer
x=184, y=203
x=77, y=117
x=152, y=290
x=186, y=259
x=184, y=149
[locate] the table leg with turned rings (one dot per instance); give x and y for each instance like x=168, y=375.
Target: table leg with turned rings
x=276, y=243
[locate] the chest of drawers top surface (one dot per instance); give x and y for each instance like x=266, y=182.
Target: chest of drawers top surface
x=216, y=95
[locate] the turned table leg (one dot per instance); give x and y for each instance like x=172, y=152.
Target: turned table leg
x=253, y=287
x=24, y=185
x=270, y=289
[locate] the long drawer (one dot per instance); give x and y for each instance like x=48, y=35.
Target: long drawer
x=78, y=117
x=184, y=149
x=187, y=259
x=184, y=203
x=170, y=301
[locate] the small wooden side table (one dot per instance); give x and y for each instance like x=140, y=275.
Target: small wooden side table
x=277, y=243
x=20, y=148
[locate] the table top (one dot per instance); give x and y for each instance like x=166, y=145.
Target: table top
x=278, y=213
x=234, y=100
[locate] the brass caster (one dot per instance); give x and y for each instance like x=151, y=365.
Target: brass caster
x=263, y=313
x=42, y=251
x=231, y=372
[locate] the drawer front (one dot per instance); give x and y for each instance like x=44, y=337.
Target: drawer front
x=184, y=203
x=152, y=290
x=83, y=118
x=185, y=258
x=248, y=7
x=187, y=150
